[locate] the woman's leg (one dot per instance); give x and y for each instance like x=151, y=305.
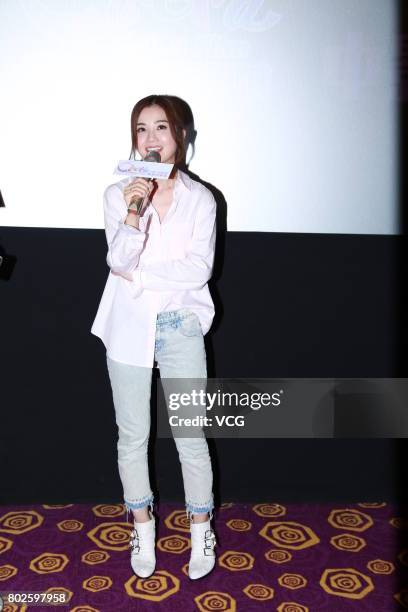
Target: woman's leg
x=131, y=389
x=180, y=353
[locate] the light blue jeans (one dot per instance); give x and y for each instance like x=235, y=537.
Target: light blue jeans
x=180, y=353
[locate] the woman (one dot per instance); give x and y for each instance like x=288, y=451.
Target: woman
x=157, y=306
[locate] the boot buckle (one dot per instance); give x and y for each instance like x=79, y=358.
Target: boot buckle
x=210, y=542
x=134, y=542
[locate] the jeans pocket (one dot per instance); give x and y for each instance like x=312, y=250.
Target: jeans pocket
x=190, y=325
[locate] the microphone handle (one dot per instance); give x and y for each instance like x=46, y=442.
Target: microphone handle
x=137, y=203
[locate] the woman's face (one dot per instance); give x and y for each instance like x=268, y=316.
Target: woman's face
x=153, y=132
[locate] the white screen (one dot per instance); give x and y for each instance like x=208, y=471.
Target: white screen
x=294, y=104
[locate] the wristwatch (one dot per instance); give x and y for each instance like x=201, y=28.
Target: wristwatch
x=136, y=205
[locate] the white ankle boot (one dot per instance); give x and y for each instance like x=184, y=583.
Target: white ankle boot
x=202, y=558
x=142, y=543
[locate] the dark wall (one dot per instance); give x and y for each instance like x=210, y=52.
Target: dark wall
x=288, y=305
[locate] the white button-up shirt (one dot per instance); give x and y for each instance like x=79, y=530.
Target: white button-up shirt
x=159, y=267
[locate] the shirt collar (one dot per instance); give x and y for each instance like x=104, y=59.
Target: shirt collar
x=183, y=183
x=184, y=179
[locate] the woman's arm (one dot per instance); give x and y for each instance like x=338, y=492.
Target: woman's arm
x=125, y=243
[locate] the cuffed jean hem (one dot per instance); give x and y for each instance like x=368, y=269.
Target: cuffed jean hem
x=148, y=501
x=197, y=509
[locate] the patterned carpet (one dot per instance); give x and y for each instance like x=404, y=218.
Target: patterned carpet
x=288, y=558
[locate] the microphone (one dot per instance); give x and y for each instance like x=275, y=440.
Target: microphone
x=137, y=203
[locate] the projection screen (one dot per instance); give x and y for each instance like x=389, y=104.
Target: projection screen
x=294, y=101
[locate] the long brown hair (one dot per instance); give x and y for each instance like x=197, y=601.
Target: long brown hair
x=173, y=117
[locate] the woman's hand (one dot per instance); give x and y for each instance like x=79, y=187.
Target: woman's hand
x=138, y=188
